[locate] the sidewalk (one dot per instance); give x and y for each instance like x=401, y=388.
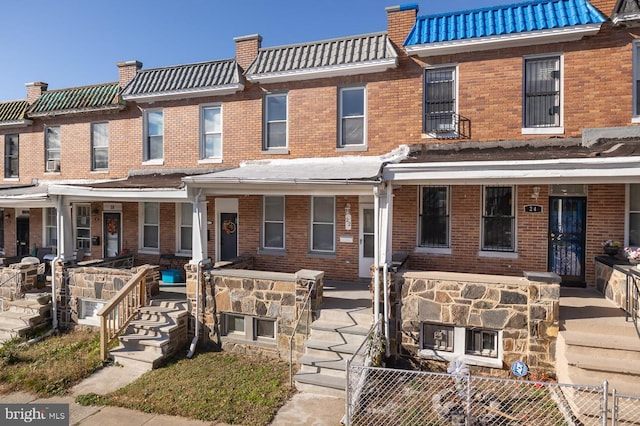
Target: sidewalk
x=302, y=409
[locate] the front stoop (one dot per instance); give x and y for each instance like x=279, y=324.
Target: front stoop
x=23, y=317
x=334, y=338
x=159, y=332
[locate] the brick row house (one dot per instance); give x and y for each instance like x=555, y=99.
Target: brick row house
x=489, y=141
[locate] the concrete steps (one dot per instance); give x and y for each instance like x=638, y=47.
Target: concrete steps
x=158, y=333
x=23, y=317
x=344, y=321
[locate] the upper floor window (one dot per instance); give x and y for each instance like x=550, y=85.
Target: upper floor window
x=185, y=227
x=275, y=125
x=11, y=156
x=2, y=232
x=542, y=92
x=439, y=101
x=150, y=226
x=636, y=81
x=634, y=215
x=82, y=214
x=352, y=116
x=211, y=138
x=498, y=219
x=273, y=224
x=99, y=146
x=323, y=224
x=50, y=227
x=434, y=216
x=154, y=135
x=52, y=149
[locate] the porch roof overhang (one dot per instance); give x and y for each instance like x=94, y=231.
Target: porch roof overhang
x=25, y=196
x=347, y=175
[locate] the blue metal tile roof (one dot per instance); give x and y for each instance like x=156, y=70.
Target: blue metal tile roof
x=502, y=20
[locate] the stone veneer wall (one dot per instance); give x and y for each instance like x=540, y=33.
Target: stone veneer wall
x=526, y=310
x=271, y=295
x=611, y=280
x=16, y=279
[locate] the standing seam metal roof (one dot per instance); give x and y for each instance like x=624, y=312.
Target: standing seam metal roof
x=503, y=20
x=340, y=51
x=204, y=75
x=13, y=110
x=77, y=98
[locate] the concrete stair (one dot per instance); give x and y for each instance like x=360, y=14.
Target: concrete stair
x=159, y=332
x=342, y=326
x=596, y=343
x=22, y=317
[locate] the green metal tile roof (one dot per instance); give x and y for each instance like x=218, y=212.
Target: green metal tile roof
x=13, y=111
x=77, y=99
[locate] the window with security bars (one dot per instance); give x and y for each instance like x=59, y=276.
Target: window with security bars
x=481, y=342
x=11, y=155
x=434, y=216
x=542, y=92
x=437, y=337
x=498, y=220
x=439, y=100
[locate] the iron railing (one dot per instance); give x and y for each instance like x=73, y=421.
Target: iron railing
x=306, y=306
x=632, y=308
x=116, y=315
x=448, y=126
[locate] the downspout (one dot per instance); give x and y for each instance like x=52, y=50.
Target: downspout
x=376, y=254
x=196, y=337
x=385, y=271
x=54, y=262
x=387, y=250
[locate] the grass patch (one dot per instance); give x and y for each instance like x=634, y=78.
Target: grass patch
x=214, y=386
x=51, y=366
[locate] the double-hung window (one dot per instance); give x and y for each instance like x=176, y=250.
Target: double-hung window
x=275, y=124
x=82, y=214
x=634, y=215
x=323, y=224
x=50, y=227
x=273, y=224
x=636, y=82
x=99, y=146
x=434, y=216
x=52, y=149
x=542, y=93
x=150, y=226
x=154, y=135
x=439, y=101
x=11, y=155
x=481, y=342
x=498, y=219
x=211, y=137
x=185, y=225
x=352, y=116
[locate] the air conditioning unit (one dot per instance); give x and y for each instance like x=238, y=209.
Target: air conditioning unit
x=53, y=165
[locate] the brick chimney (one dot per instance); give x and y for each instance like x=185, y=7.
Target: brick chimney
x=34, y=90
x=400, y=20
x=247, y=49
x=604, y=6
x=126, y=71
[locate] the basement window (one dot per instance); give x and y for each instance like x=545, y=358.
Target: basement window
x=238, y=327
x=473, y=346
x=88, y=310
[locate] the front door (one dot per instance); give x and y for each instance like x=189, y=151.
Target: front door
x=22, y=236
x=228, y=235
x=567, y=218
x=111, y=232
x=367, y=239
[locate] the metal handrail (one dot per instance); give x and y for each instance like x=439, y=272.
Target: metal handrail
x=295, y=329
x=632, y=308
x=10, y=278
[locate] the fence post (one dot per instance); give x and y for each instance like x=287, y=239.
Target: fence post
x=347, y=415
x=614, y=408
x=605, y=396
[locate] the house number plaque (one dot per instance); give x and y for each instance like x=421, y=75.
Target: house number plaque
x=533, y=208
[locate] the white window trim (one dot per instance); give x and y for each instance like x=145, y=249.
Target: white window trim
x=145, y=138
x=635, y=54
x=141, y=222
x=46, y=225
x=628, y=211
x=179, y=250
x=311, y=222
x=456, y=87
x=82, y=311
x=75, y=209
x=250, y=334
x=265, y=125
x=363, y=116
x=6, y=139
x=429, y=249
x=210, y=160
x=47, y=150
x=558, y=130
x=459, y=350
x=93, y=148
x=284, y=224
x=512, y=254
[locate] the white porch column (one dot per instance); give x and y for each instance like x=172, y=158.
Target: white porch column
x=64, y=227
x=199, y=250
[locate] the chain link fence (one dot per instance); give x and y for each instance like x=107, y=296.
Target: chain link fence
x=625, y=409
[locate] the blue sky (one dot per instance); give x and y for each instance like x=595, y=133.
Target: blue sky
x=69, y=43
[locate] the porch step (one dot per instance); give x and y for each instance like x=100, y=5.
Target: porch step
x=321, y=384
x=22, y=317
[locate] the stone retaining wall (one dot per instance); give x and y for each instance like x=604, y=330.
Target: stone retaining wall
x=16, y=279
x=611, y=279
x=525, y=310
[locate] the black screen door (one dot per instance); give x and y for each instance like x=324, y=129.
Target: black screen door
x=567, y=217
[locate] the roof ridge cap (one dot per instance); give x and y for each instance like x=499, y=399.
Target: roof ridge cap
x=112, y=83
x=262, y=49
x=141, y=71
x=496, y=7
